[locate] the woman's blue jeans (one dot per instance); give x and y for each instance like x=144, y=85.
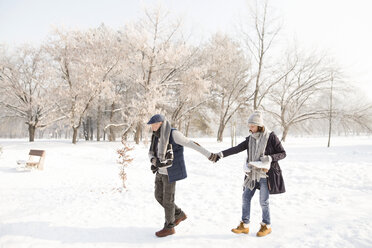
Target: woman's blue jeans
x=264, y=202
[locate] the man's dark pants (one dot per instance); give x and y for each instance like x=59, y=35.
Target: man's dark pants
x=164, y=194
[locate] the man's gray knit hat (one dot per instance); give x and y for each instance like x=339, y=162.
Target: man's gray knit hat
x=256, y=119
x=156, y=118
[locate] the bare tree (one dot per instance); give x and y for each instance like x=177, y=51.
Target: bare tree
x=356, y=115
x=330, y=110
x=295, y=99
x=351, y=113
x=337, y=88
x=259, y=42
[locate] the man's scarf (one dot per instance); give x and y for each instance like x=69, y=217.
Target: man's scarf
x=163, y=140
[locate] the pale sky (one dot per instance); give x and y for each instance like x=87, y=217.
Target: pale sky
x=340, y=27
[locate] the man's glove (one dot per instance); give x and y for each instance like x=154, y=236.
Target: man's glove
x=153, y=161
x=266, y=159
x=154, y=169
x=214, y=157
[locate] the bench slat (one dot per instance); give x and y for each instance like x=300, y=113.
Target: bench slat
x=37, y=153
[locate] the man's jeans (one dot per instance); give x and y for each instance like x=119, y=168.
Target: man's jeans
x=264, y=202
x=164, y=194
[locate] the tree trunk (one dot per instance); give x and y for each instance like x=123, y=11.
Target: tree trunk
x=90, y=128
x=125, y=136
x=99, y=117
x=220, y=132
x=111, y=136
x=138, y=134
x=86, y=129
x=222, y=120
x=74, y=135
x=233, y=134
x=31, y=133
x=257, y=87
x=180, y=125
x=187, y=128
x=41, y=134
x=330, y=115
x=285, y=132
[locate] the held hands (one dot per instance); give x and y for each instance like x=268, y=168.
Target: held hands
x=214, y=157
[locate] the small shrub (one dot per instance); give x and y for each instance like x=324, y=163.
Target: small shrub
x=124, y=160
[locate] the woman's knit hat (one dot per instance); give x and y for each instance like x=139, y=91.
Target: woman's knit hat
x=256, y=119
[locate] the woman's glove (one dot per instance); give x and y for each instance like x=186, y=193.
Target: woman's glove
x=266, y=159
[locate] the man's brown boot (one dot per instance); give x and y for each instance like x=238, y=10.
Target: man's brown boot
x=182, y=218
x=165, y=232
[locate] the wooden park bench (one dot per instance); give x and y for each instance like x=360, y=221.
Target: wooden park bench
x=35, y=160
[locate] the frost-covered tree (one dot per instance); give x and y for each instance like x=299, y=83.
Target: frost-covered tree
x=27, y=87
x=118, y=110
x=81, y=59
x=109, y=52
x=155, y=60
x=190, y=88
x=229, y=72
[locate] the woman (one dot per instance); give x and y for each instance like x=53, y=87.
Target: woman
x=262, y=171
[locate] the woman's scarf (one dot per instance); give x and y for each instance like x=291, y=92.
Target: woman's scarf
x=256, y=148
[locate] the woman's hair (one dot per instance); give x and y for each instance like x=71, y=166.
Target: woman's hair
x=261, y=129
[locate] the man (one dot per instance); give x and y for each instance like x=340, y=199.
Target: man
x=166, y=141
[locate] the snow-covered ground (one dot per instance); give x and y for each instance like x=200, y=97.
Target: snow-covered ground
x=75, y=201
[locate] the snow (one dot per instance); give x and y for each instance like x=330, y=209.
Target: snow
x=77, y=202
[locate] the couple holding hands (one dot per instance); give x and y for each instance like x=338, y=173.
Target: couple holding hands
x=262, y=170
